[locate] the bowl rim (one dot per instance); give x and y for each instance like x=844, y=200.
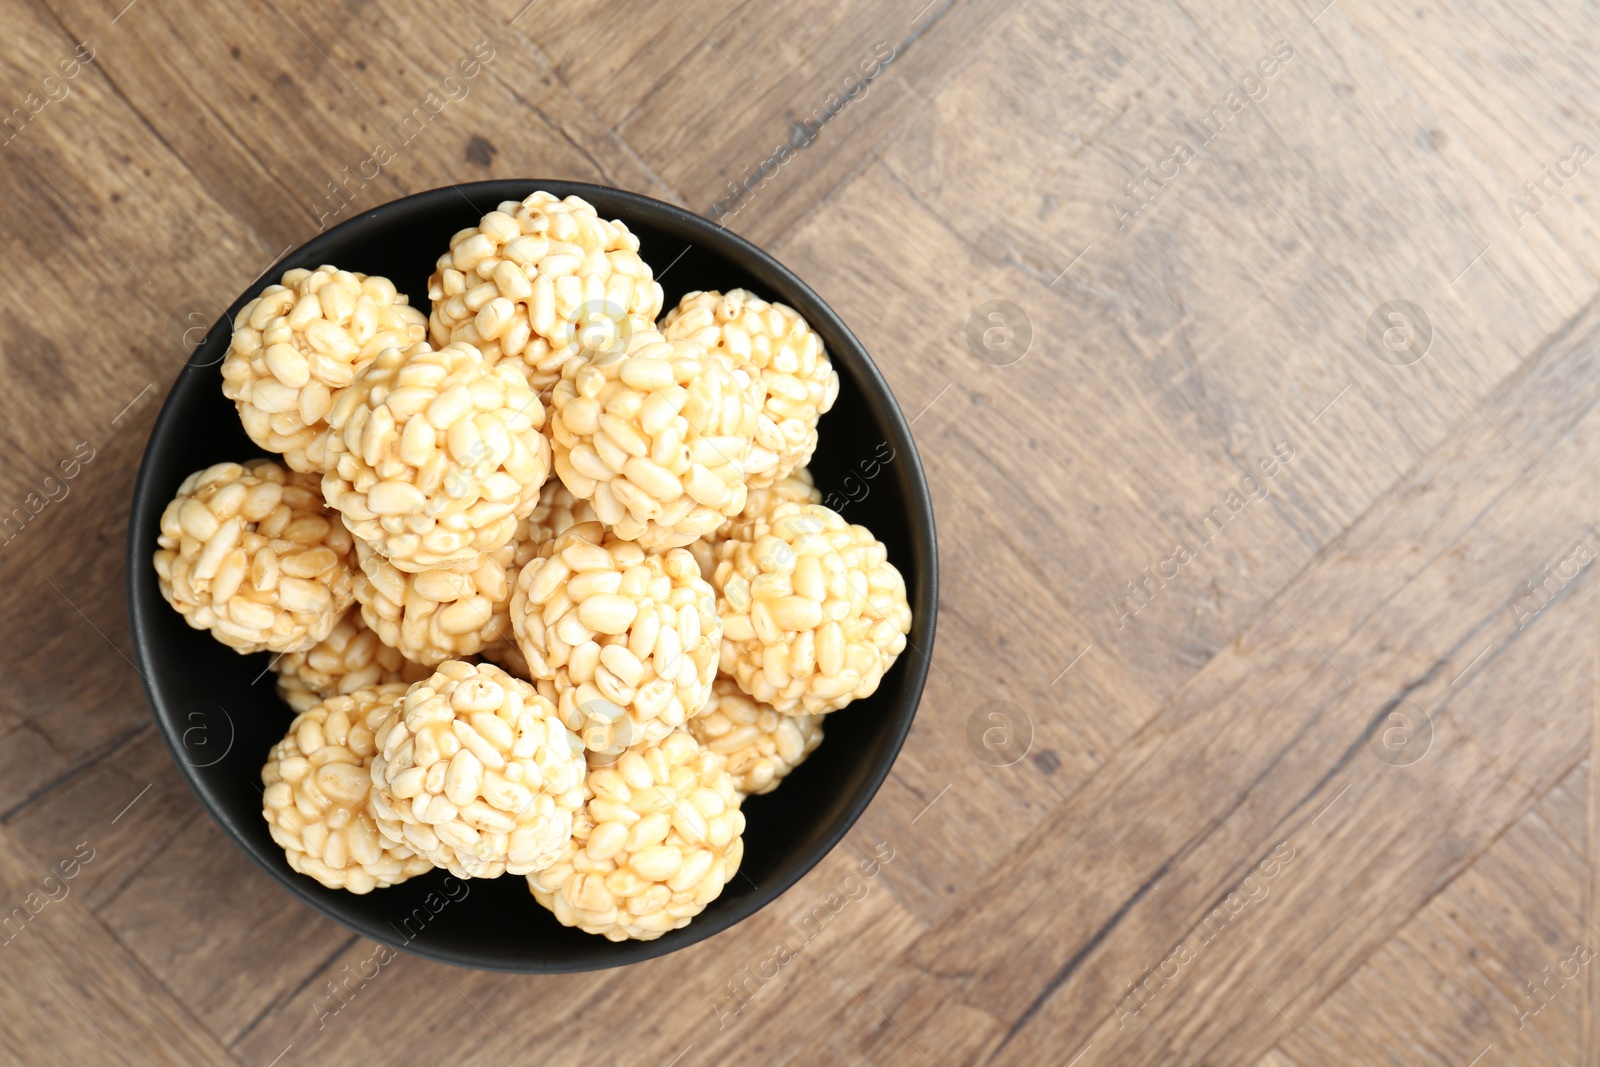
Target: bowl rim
x=778, y=279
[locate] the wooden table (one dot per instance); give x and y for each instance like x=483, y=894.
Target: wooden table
x=1251, y=350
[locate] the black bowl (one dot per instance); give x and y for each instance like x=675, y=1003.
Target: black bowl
x=218, y=711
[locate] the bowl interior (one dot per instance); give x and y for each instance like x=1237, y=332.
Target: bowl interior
x=219, y=713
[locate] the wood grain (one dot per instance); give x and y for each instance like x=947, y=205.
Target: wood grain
x=1219, y=844
x=70, y=987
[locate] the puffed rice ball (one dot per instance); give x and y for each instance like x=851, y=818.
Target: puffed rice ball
x=508, y=657
x=298, y=345
x=627, y=636
x=454, y=613
x=435, y=615
x=475, y=771
x=787, y=355
x=558, y=511
x=655, y=845
x=761, y=746
x=543, y=281
x=317, y=799
x=797, y=487
x=435, y=455
x=656, y=440
x=350, y=658
x=249, y=552
x=813, y=613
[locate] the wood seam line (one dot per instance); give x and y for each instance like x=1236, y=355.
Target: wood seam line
x=1499, y=390
x=138, y=971
x=667, y=75
x=111, y=897
x=549, y=67
x=1567, y=333
x=284, y=997
x=155, y=980
x=623, y=141
x=150, y=127
x=92, y=759
x=897, y=125
x=1470, y=864
x=1350, y=753
x=626, y=146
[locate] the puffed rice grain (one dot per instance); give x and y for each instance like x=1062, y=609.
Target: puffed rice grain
x=350, y=658
x=558, y=511
x=761, y=746
x=796, y=487
x=435, y=615
x=655, y=440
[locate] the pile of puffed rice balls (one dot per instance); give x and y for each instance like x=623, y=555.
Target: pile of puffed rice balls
x=549, y=583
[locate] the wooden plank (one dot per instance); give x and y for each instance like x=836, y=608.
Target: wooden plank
x=752, y=114
x=729, y=996
x=1419, y=585
x=1279, y=1058
x=88, y=351
x=68, y=986
x=1179, y=361
x=1492, y=967
x=299, y=116
x=131, y=801
x=243, y=945
x=1566, y=807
